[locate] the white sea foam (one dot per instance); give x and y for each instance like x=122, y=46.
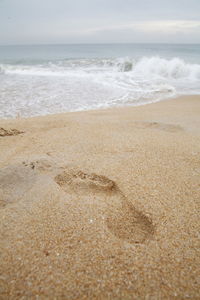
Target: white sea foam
x=170, y=69
x=148, y=66
x=78, y=84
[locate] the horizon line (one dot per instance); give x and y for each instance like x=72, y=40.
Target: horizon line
x=114, y=43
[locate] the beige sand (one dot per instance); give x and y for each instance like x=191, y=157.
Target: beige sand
x=102, y=204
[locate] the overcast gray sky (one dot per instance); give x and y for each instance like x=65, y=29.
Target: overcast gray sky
x=99, y=21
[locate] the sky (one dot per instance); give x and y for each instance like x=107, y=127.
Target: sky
x=99, y=21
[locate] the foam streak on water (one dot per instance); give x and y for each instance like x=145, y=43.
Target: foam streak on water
x=38, y=87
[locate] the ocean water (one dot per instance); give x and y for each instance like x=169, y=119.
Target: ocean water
x=40, y=80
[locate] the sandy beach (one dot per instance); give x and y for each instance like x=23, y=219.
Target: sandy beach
x=102, y=204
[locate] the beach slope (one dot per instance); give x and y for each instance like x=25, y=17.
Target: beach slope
x=102, y=204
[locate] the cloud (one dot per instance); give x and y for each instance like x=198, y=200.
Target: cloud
x=140, y=31
x=149, y=26
x=91, y=21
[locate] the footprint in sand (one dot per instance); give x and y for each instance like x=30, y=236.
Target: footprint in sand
x=10, y=132
x=97, y=194
x=159, y=126
x=122, y=219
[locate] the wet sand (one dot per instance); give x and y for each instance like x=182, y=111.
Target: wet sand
x=102, y=204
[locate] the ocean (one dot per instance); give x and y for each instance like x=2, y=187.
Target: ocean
x=46, y=79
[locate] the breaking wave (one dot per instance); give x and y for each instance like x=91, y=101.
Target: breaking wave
x=79, y=84
x=174, y=68
x=171, y=69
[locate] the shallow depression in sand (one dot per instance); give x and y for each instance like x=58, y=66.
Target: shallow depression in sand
x=15, y=181
x=85, y=180
x=159, y=126
x=122, y=219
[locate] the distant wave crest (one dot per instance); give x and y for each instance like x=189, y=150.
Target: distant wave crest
x=174, y=68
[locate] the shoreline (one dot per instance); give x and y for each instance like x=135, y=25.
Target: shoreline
x=168, y=102
x=101, y=204
x=101, y=109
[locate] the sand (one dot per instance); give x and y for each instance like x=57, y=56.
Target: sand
x=102, y=204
